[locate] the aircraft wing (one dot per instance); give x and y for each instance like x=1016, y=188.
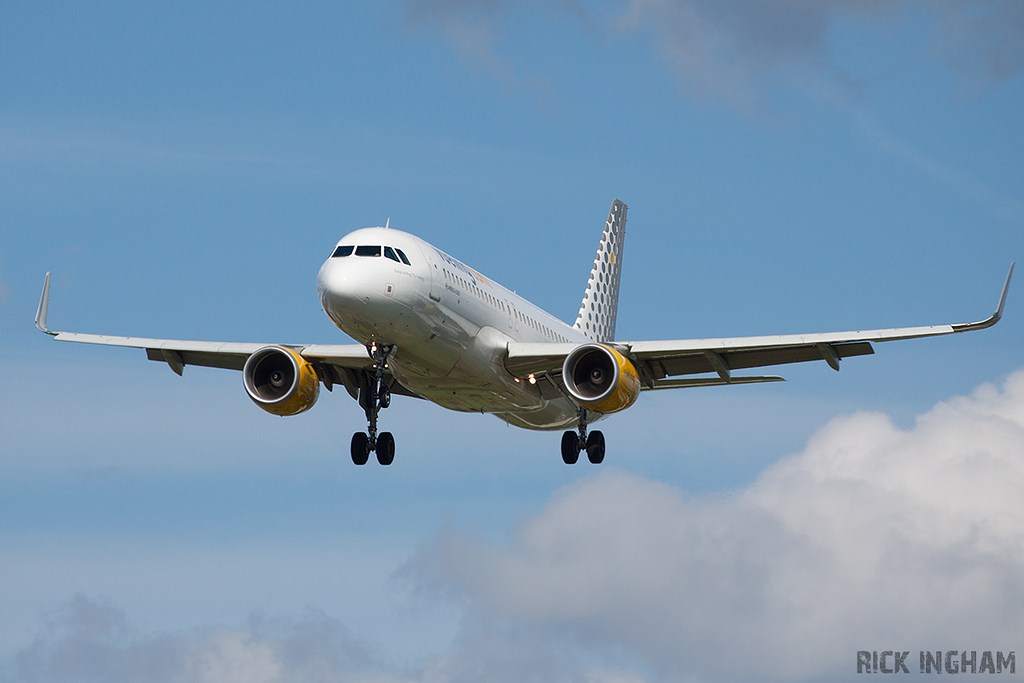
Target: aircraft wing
x=661, y=363
x=335, y=363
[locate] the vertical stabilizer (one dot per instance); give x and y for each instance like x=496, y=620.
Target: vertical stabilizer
x=601, y=301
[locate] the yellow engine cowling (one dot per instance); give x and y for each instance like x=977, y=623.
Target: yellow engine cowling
x=280, y=381
x=600, y=378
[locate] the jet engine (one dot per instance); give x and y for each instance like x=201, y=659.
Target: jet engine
x=600, y=378
x=280, y=381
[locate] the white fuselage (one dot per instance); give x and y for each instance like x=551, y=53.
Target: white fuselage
x=450, y=325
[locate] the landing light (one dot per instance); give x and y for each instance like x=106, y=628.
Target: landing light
x=533, y=380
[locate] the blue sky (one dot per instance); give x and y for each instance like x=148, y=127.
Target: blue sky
x=185, y=170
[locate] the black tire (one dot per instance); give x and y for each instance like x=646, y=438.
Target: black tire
x=385, y=397
x=570, y=448
x=595, y=447
x=360, y=448
x=385, y=448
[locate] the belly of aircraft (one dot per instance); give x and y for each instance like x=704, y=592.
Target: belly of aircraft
x=450, y=361
x=479, y=394
x=518, y=403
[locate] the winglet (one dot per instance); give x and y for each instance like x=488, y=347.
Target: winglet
x=994, y=318
x=44, y=302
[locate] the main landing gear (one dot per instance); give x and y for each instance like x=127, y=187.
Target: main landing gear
x=574, y=442
x=373, y=398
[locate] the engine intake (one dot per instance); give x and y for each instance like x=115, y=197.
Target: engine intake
x=280, y=381
x=600, y=378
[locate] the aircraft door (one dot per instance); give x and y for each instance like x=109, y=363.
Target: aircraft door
x=436, y=276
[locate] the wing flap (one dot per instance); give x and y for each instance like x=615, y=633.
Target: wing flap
x=688, y=358
x=691, y=363
x=229, y=355
x=682, y=383
x=179, y=359
x=147, y=343
x=726, y=345
x=337, y=363
x=340, y=355
x=526, y=358
x=175, y=352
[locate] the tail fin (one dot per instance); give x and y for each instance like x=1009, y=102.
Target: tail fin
x=601, y=301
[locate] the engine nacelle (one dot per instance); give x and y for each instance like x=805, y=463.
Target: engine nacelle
x=600, y=378
x=280, y=381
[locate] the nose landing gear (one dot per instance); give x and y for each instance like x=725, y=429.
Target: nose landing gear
x=374, y=397
x=573, y=443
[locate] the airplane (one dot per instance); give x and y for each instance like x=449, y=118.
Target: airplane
x=431, y=327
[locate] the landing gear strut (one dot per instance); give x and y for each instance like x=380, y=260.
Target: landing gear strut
x=574, y=442
x=373, y=398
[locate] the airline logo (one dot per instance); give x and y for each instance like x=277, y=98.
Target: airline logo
x=466, y=270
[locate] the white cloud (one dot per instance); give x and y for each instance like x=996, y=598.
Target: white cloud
x=726, y=51
x=735, y=51
x=86, y=640
x=472, y=29
x=739, y=52
x=871, y=538
x=984, y=41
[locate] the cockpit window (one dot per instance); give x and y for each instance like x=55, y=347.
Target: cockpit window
x=390, y=253
x=343, y=250
x=402, y=256
x=368, y=251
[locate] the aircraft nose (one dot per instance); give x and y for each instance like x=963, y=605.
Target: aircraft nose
x=344, y=284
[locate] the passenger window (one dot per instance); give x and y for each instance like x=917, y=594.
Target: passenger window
x=343, y=250
x=368, y=251
x=401, y=255
x=390, y=253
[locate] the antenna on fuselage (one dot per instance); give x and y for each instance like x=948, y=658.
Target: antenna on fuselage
x=388, y=223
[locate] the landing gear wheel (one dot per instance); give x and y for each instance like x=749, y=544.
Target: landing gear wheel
x=595, y=447
x=374, y=396
x=570, y=448
x=385, y=448
x=360, y=448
